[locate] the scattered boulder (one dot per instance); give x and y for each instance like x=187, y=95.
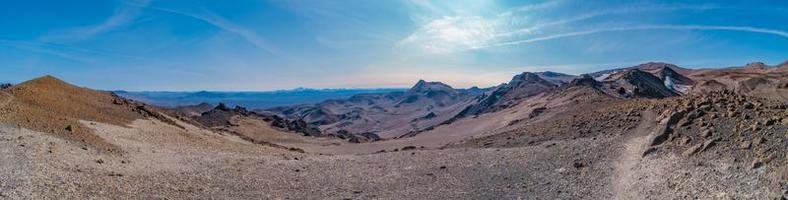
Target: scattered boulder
x=757, y=163
x=578, y=165
x=408, y=148
x=685, y=141
x=668, y=122
x=706, y=133
x=758, y=141
x=745, y=145
x=536, y=112
x=700, y=147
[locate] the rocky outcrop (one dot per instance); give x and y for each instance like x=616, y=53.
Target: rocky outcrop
x=637, y=83
x=370, y=116
x=221, y=115
x=299, y=126
x=521, y=86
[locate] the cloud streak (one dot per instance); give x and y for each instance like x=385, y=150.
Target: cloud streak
x=68, y=52
x=219, y=22
x=643, y=27
x=625, y=10
x=126, y=14
x=451, y=34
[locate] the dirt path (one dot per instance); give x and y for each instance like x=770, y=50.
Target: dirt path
x=628, y=159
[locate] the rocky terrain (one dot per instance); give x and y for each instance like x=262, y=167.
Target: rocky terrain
x=386, y=115
x=651, y=131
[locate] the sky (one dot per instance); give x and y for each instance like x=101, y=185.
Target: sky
x=250, y=45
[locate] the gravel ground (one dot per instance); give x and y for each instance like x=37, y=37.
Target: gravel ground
x=160, y=161
x=545, y=171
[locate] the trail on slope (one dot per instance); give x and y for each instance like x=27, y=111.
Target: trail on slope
x=628, y=159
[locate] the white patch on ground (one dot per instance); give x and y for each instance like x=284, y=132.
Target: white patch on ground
x=684, y=89
x=670, y=84
x=603, y=76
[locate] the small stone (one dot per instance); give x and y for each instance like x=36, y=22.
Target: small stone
x=100, y=161
x=706, y=133
x=578, y=165
x=700, y=147
x=745, y=145
x=749, y=105
x=685, y=140
x=757, y=163
x=758, y=141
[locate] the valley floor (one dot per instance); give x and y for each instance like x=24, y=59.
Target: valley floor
x=160, y=161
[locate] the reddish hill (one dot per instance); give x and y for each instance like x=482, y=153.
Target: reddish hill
x=49, y=105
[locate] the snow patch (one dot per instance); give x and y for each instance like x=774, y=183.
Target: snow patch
x=670, y=84
x=603, y=76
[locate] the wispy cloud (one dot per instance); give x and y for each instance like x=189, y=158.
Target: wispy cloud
x=125, y=14
x=451, y=33
x=780, y=33
x=447, y=28
x=222, y=23
x=617, y=11
x=83, y=55
x=531, y=8
x=66, y=51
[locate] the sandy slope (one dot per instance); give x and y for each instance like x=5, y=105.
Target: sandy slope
x=5, y=99
x=179, y=171
x=162, y=160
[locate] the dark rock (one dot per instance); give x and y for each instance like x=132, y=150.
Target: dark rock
x=749, y=105
x=757, y=163
x=578, y=165
x=408, y=148
x=536, y=112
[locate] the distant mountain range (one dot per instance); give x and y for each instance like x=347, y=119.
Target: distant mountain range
x=428, y=105
x=253, y=100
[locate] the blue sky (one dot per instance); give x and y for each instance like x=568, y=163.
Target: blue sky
x=268, y=45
